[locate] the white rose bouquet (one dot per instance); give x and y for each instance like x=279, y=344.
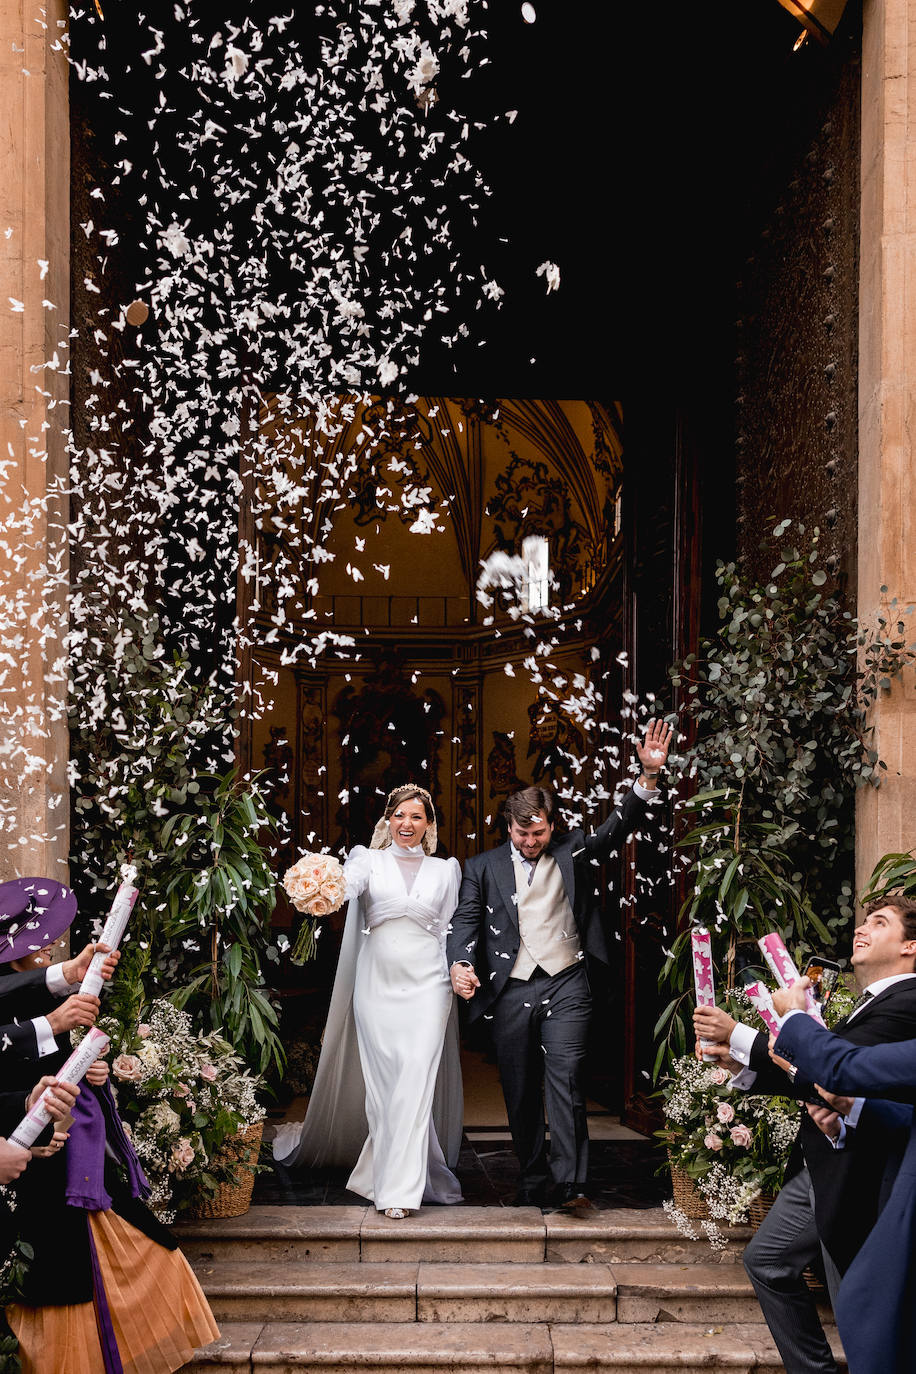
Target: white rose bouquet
x=316, y=887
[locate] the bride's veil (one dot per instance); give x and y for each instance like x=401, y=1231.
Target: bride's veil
x=335, y=1126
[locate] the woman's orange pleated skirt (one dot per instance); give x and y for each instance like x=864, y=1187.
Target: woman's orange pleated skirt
x=159, y=1313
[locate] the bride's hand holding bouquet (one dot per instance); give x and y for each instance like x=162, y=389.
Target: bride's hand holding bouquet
x=316, y=886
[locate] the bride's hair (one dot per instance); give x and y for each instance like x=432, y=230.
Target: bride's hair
x=409, y=793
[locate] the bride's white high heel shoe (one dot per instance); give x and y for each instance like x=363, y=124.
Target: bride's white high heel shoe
x=397, y=1212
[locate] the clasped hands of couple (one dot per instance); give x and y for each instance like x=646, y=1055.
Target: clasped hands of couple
x=79, y=1009
x=714, y=1025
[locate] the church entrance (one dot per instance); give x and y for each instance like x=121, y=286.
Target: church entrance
x=439, y=595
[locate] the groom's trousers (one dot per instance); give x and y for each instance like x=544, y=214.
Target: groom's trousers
x=540, y=1034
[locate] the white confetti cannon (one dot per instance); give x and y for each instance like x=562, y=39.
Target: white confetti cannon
x=703, y=981
x=784, y=970
x=762, y=1002
x=113, y=930
x=94, y=1044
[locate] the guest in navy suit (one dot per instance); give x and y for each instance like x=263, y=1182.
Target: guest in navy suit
x=831, y=1196
x=876, y=1303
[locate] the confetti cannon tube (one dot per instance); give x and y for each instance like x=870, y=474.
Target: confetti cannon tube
x=113, y=930
x=703, y=981
x=94, y=1044
x=784, y=971
x=763, y=1005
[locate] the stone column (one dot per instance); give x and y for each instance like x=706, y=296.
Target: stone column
x=886, y=819
x=34, y=393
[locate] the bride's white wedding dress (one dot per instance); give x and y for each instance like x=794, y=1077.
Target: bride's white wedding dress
x=388, y=1085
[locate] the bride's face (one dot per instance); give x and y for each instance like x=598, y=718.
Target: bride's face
x=408, y=823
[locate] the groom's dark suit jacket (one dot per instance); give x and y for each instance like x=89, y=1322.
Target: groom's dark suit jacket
x=848, y=1182
x=484, y=928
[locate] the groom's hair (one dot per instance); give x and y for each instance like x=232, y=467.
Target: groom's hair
x=522, y=805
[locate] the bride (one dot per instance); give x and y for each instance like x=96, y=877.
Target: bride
x=387, y=1093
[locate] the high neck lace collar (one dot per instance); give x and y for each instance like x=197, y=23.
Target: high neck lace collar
x=408, y=852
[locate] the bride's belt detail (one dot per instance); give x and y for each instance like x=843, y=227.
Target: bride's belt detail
x=424, y=916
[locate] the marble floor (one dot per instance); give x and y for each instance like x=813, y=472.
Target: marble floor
x=623, y=1170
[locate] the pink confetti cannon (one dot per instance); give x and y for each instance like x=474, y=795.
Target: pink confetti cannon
x=763, y=1005
x=94, y=1044
x=113, y=930
x=703, y=981
x=784, y=971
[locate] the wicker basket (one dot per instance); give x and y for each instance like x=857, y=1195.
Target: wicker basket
x=687, y=1196
x=233, y=1197
x=756, y=1214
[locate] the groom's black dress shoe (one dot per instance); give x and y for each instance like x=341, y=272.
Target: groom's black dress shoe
x=529, y=1197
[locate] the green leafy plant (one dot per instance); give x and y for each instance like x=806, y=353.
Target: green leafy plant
x=892, y=873
x=12, y=1277
x=219, y=891
x=778, y=700
x=149, y=748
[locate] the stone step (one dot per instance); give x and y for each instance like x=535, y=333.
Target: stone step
x=451, y=1235
x=274, y=1291
x=494, y=1347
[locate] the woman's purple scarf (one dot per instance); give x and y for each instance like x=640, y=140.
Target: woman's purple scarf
x=95, y=1121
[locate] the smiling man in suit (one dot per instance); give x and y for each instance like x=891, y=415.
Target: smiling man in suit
x=527, y=922
x=831, y=1197
x=876, y=1303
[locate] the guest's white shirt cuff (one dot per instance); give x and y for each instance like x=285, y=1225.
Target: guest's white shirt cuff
x=55, y=981
x=744, y=1080
x=44, y=1036
x=647, y=794
x=741, y=1042
x=855, y=1111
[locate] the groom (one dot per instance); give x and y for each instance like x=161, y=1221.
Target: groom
x=527, y=921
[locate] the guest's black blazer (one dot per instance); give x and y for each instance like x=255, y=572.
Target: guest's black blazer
x=22, y=996
x=848, y=1182
x=484, y=928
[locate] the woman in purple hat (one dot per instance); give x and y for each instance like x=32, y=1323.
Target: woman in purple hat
x=108, y=1289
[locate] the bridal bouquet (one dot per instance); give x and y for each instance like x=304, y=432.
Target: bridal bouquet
x=316, y=887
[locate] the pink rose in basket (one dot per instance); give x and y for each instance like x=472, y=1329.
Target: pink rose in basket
x=183, y=1154
x=208, y=1072
x=720, y=1076
x=741, y=1136
x=128, y=1068
x=713, y=1142
x=725, y=1112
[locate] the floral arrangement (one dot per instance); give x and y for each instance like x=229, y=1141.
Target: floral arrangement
x=734, y=1145
x=181, y=1095
x=316, y=887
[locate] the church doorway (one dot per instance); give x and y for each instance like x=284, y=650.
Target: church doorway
x=439, y=596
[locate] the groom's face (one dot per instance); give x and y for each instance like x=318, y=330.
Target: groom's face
x=531, y=837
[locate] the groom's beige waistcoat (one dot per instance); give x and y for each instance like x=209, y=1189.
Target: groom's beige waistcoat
x=545, y=920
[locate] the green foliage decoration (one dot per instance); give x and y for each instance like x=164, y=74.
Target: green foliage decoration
x=779, y=700
x=150, y=787
x=892, y=873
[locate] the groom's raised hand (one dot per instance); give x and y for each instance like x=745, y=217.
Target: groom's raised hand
x=653, y=751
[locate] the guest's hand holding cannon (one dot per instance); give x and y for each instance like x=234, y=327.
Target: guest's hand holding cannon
x=75, y=970
x=58, y=1102
x=713, y=1028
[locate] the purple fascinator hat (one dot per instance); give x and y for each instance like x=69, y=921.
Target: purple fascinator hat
x=34, y=912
